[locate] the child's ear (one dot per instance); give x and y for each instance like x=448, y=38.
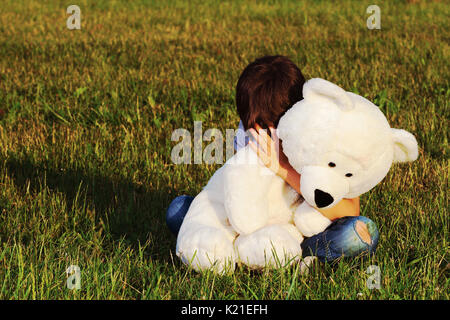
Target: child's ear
x=318, y=87
x=405, y=146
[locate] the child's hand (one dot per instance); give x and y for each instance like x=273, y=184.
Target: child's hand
x=270, y=151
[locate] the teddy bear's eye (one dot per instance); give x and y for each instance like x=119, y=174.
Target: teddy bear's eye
x=348, y=175
x=332, y=164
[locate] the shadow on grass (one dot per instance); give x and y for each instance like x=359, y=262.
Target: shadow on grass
x=129, y=211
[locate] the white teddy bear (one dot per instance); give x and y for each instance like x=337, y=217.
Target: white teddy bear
x=342, y=146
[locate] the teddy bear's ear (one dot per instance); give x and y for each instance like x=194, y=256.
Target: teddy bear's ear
x=317, y=87
x=405, y=146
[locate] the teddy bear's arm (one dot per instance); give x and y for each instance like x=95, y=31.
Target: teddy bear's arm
x=246, y=198
x=310, y=221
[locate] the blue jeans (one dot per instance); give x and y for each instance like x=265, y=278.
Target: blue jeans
x=344, y=237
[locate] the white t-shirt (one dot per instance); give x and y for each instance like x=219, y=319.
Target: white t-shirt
x=241, y=138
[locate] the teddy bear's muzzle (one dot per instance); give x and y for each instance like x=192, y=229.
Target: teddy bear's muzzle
x=321, y=187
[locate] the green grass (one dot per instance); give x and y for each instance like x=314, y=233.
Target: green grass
x=86, y=118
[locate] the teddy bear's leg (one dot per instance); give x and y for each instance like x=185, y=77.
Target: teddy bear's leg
x=206, y=239
x=274, y=246
x=208, y=248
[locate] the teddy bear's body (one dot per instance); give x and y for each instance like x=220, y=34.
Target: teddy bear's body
x=243, y=213
x=340, y=143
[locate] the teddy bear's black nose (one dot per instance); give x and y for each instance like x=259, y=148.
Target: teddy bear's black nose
x=322, y=199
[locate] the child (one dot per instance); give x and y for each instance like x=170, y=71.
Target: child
x=266, y=89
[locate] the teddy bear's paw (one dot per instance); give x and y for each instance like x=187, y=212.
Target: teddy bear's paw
x=201, y=260
x=208, y=248
x=310, y=222
x=271, y=246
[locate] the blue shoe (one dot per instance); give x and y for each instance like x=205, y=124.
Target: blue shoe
x=177, y=211
x=347, y=236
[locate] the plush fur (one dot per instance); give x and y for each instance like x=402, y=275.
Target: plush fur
x=340, y=143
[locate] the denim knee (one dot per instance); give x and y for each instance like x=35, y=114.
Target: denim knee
x=369, y=227
x=347, y=236
x=177, y=211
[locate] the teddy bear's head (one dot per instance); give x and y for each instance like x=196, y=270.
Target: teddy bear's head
x=340, y=143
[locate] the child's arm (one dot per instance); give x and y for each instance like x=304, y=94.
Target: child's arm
x=269, y=152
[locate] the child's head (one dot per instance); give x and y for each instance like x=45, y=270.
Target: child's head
x=266, y=89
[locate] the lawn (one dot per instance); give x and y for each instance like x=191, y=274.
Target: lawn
x=86, y=118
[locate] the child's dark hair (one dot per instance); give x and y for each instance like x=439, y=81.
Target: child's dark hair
x=266, y=89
